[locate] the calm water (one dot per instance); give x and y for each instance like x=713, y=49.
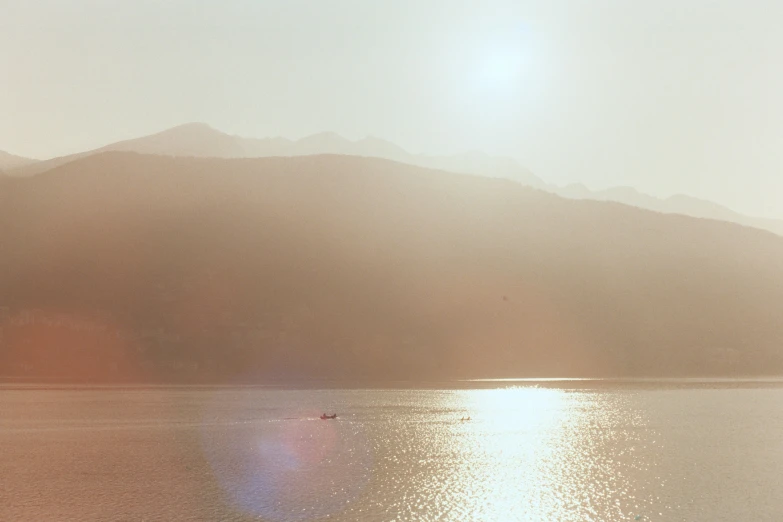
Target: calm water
x=593, y=452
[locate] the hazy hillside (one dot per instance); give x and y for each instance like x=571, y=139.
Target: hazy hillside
x=201, y=140
x=153, y=268
x=9, y=161
x=678, y=204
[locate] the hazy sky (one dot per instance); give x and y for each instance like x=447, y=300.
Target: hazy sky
x=668, y=96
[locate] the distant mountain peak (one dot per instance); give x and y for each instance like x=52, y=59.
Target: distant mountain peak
x=324, y=137
x=326, y=134
x=198, y=139
x=190, y=139
x=375, y=139
x=198, y=128
x=193, y=125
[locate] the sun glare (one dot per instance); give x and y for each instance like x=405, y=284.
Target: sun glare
x=501, y=61
x=501, y=68
x=515, y=406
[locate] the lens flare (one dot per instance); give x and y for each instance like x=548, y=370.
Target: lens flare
x=285, y=465
x=67, y=346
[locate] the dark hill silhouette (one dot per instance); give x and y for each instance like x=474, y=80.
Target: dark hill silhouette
x=337, y=266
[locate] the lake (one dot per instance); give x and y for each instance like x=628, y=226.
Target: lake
x=545, y=451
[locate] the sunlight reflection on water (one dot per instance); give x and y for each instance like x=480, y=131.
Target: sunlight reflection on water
x=526, y=453
x=607, y=453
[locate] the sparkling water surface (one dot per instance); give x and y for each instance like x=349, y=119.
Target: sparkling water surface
x=557, y=451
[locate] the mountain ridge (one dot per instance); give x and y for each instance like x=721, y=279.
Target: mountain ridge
x=201, y=140
x=675, y=204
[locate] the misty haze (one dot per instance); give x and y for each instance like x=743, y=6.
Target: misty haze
x=389, y=261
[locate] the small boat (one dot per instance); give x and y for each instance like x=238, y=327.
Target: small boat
x=325, y=416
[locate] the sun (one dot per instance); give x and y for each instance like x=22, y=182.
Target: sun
x=501, y=68
x=501, y=61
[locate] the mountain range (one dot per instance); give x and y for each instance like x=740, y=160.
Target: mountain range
x=201, y=140
x=128, y=267
x=677, y=204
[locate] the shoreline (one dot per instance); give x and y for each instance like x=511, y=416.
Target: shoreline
x=455, y=384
